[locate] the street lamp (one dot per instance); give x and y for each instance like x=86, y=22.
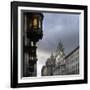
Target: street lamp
x=34, y=26
x=34, y=33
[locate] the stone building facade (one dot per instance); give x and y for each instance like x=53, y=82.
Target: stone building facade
x=72, y=62
x=60, y=64
x=47, y=70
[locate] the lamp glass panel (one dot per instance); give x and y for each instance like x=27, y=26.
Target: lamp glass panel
x=35, y=22
x=39, y=24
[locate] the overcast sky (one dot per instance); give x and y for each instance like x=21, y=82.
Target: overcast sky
x=56, y=27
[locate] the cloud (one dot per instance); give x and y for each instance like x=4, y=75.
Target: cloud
x=56, y=27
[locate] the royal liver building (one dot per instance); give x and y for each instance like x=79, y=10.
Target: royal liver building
x=61, y=64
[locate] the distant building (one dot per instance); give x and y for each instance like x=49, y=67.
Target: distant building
x=61, y=64
x=44, y=71
x=72, y=62
x=60, y=68
x=50, y=65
